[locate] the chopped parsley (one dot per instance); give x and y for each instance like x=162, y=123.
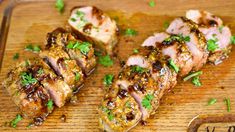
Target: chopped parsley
x=146, y=102
x=16, y=56
x=196, y=81
x=128, y=104
x=59, y=5
x=130, y=32
x=40, y=71
x=211, y=45
x=27, y=79
x=166, y=24
x=81, y=16
x=232, y=39
x=73, y=19
x=15, y=121
x=50, y=104
x=191, y=75
x=173, y=66
x=109, y=113
x=27, y=63
x=84, y=47
x=33, y=48
x=152, y=3
x=77, y=76
x=179, y=38
x=221, y=28
x=108, y=79
x=228, y=103
x=135, y=51
x=138, y=69
x=105, y=60
x=212, y=101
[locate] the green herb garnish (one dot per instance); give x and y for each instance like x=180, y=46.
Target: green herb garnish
x=15, y=121
x=194, y=74
x=135, y=51
x=84, y=47
x=34, y=48
x=128, y=104
x=212, y=101
x=59, y=5
x=196, y=81
x=173, y=66
x=77, y=76
x=108, y=79
x=179, y=38
x=109, y=113
x=73, y=19
x=40, y=71
x=80, y=14
x=27, y=79
x=50, y=104
x=187, y=39
x=152, y=3
x=166, y=24
x=105, y=60
x=130, y=32
x=146, y=102
x=138, y=69
x=16, y=56
x=228, y=103
x=211, y=45
x=232, y=39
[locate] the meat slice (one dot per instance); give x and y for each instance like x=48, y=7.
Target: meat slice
x=214, y=30
x=174, y=47
x=27, y=93
x=94, y=26
x=59, y=91
x=119, y=111
x=197, y=42
x=82, y=52
x=64, y=66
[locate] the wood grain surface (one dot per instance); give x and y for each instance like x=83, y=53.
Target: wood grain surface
x=32, y=20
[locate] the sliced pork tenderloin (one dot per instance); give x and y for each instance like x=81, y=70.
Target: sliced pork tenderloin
x=196, y=41
x=119, y=111
x=217, y=35
x=27, y=93
x=94, y=26
x=64, y=66
x=82, y=52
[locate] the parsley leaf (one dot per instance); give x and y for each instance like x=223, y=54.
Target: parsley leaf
x=187, y=39
x=166, y=24
x=77, y=76
x=152, y=3
x=59, y=5
x=73, y=19
x=80, y=14
x=228, y=103
x=128, y=104
x=105, y=60
x=191, y=75
x=221, y=28
x=130, y=32
x=173, y=66
x=34, y=48
x=84, y=47
x=108, y=112
x=40, y=71
x=138, y=69
x=27, y=79
x=232, y=39
x=211, y=45
x=50, y=104
x=16, y=56
x=136, y=51
x=179, y=37
x=196, y=81
x=17, y=119
x=212, y=101
x=146, y=102
x=108, y=79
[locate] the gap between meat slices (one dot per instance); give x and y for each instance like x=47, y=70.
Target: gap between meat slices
x=214, y=30
x=94, y=26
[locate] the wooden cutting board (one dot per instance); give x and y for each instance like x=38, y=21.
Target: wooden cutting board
x=32, y=20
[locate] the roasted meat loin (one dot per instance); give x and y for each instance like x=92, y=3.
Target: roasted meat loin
x=94, y=26
x=53, y=78
x=182, y=49
x=217, y=35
